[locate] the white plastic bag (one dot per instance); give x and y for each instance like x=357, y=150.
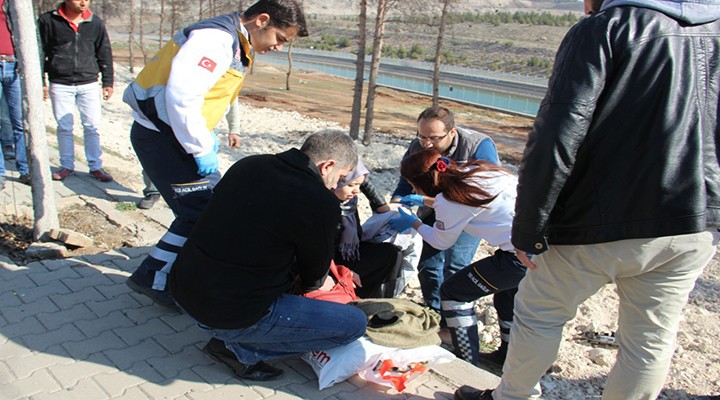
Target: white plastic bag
x=362, y=356
x=335, y=365
x=399, y=367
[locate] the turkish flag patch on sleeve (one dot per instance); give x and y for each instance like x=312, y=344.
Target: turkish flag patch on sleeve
x=208, y=64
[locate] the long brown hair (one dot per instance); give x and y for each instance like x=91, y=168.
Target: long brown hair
x=433, y=174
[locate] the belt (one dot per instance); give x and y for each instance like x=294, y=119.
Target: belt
x=6, y=58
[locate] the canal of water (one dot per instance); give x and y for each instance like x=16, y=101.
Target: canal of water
x=466, y=92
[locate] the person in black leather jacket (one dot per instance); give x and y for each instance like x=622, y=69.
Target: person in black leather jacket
x=619, y=183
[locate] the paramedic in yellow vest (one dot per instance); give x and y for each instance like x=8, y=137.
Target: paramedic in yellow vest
x=177, y=100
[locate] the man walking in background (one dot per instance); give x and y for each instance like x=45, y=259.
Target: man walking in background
x=620, y=183
x=76, y=48
x=178, y=99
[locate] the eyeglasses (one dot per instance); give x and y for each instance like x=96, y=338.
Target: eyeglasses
x=434, y=139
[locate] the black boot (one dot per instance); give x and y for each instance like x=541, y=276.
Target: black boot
x=470, y=393
x=260, y=371
x=494, y=358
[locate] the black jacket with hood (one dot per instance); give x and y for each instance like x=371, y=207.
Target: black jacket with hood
x=624, y=145
x=71, y=58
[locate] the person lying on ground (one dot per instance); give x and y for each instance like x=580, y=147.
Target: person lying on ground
x=376, y=264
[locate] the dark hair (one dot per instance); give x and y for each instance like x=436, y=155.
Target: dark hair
x=283, y=14
x=442, y=114
x=421, y=169
x=332, y=144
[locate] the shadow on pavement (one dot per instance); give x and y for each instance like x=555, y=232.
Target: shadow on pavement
x=73, y=325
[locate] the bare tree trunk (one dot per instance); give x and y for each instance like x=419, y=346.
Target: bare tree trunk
x=173, y=16
x=131, y=35
x=359, y=72
x=44, y=6
x=162, y=19
x=438, y=54
x=200, y=12
x=289, y=57
x=26, y=48
x=143, y=10
x=374, y=67
x=289, y=72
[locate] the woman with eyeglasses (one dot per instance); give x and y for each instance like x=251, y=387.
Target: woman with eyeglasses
x=477, y=198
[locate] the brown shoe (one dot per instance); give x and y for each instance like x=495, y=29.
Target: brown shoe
x=101, y=175
x=62, y=174
x=260, y=371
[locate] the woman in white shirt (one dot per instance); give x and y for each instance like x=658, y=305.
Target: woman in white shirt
x=478, y=198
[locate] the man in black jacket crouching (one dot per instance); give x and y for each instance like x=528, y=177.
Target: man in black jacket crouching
x=271, y=220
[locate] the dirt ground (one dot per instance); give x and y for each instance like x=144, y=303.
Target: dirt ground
x=326, y=97
x=330, y=98
x=16, y=233
x=311, y=94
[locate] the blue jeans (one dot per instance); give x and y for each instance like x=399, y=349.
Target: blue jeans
x=167, y=164
x=433, y=271
x=6, y=130
x=292, y=326
x=11, y=92
x=87, y=98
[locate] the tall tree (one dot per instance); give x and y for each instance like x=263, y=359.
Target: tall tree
x=438, y=52
x=26, y=48
x=162, y=19
x=289, y=72
x=42, y=6
x=382, y=8
x=131, y=35
x=143, y=12
x=173, y=16
x=289, y=58
x=359, y=72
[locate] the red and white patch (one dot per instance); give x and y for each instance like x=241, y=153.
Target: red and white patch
x=208, y=64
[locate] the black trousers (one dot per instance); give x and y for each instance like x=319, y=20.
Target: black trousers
x=378, y=267
x=499, y=275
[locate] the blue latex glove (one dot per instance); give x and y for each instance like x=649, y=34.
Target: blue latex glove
x=216, y=146
x=412, y=200
x=403, y=222
x=207, y=164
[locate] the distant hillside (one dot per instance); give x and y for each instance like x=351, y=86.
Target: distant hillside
x=350, y=7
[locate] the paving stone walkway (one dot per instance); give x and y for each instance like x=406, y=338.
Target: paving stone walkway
x=72, y=329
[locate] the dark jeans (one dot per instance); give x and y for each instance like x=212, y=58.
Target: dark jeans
x=500, y=275
x=438, y=265
x=175, y=175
